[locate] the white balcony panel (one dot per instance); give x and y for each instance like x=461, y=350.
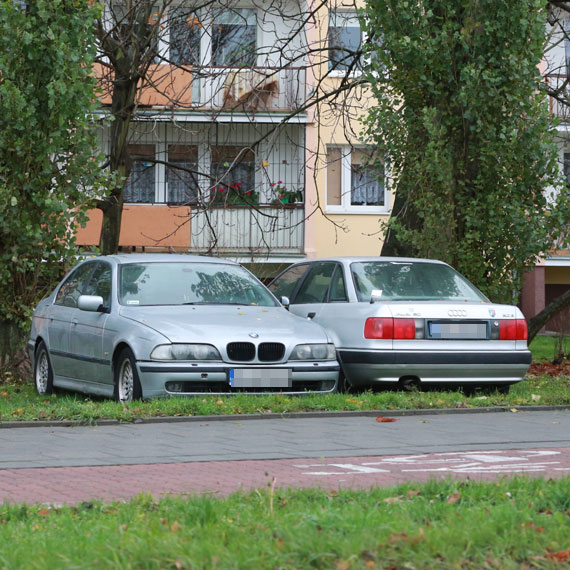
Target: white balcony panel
x=250, y=90
x=267, y=229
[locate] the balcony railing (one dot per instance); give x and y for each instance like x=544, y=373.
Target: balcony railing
x=242, y=230
x=250, y=90
x=558, y=106
x=253, y=90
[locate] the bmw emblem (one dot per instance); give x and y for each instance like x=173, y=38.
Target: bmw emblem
x=253, y=335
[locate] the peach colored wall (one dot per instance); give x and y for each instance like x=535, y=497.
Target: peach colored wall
x=143, y=225
x=170, y=84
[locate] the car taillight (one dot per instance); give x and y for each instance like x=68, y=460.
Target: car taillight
x=389, y=328
x=513, y=329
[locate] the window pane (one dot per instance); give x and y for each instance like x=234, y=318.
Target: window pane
x=100, y=283
x=174, y=283
x=234, y=37
x=185, y=31
x=406, y=281
x=366, y=181
x=182, y=175
x=344, y=39
x=338, y=290
x=334, y=177
x=140, y=186
x=316, y=285
x=233, y=178
x=284, y=285
x=73, y=286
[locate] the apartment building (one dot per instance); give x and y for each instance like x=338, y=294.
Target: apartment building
x=241, y=145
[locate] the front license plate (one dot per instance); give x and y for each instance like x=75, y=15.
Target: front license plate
x=455, y=330
x=260, y=378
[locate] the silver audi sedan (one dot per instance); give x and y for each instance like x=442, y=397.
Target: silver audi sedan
x=408, y=322
x=144, y=325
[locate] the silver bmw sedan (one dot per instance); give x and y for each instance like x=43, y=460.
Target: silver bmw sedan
x=137, y=326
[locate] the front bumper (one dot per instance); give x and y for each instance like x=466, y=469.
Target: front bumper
x=190, y=379
x=366, y=367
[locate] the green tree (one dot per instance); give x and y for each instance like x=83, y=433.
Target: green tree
x=47, y=169
x=467, y=134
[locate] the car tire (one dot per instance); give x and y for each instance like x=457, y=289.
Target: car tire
x=43, y=372
x=127, y=383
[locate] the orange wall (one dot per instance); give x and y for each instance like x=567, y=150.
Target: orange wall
x=172, y=86
x=143, y=225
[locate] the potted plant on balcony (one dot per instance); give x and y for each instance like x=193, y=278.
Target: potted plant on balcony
x=234, y=195
x=282, y=195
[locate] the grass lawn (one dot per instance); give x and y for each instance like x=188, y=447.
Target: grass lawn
x=19, y=401
x=545, y=347
x=515, y=523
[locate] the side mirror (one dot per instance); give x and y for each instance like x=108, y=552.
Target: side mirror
x=285, y=302
x=91, y=303
x=376, y=295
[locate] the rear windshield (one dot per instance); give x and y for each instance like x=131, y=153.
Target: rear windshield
x=184, y=283
x=411, y=281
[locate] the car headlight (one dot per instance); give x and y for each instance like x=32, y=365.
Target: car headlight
x=185, y=352
x=313, y=352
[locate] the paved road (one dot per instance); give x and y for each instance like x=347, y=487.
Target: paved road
x=70, y=464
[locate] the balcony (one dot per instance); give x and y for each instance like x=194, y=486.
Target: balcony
x=263, y=230
x=218, y=89
x=557, y=105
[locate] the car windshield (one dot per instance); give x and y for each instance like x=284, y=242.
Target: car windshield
x=411, y=281
x=190, y=283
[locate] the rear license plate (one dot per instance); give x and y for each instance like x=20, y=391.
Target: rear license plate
x=260, y=378
x=458, y=330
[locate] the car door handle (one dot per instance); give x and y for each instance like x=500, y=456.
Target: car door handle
x=311, y=315
x=74, y=321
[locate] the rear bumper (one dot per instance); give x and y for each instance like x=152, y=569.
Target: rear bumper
x=373, y=366
x=172, y=379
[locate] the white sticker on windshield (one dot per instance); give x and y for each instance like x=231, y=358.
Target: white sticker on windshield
x=376, y=292
x=133, y=302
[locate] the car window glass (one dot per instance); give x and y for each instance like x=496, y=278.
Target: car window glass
x=407, y=281
x=337, y=291
x=284, y=285
x=100, y=283
x=316, y=285
x=183, y=283
x=72, y=288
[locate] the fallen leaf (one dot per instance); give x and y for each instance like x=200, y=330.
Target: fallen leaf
x=453, y=498
x=560, y=556
x=413, y=493
x=392, y=500
x=385, y=420
x=535, y=397
x=175, y=527
x=342, y=565
x=514, y=410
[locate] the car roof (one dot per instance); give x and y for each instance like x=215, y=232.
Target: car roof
x=352, y=259
x=123, y=258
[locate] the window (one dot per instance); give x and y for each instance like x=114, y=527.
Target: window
x=286, y=283
x=234, y=38
x=100, y=283
x=233, y=174
x=567, y=168
x=185, y=32
x=182, y=175
x=140, y=186
x=72, y=288
x=353, y=184
x=315, y=286
x=344, y=40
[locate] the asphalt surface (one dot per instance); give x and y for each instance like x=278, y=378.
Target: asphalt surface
x=115, y=462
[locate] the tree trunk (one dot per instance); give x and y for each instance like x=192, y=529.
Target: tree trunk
x=111, y=226
x=551, y=310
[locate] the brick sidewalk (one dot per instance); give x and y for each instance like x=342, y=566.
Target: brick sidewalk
x=69, y=485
